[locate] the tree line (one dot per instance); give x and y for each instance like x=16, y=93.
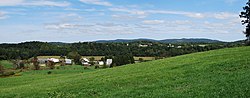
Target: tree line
x=27, y=50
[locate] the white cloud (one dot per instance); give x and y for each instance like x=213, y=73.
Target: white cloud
x=3, y=15
x=231, y=1
x=188, y=14
x=10, y=2
x=61, y=26
x=47, y=3
x=145, y=13
x=224, y=15
x=134, y=12
x=90, y=29
x=153, y=22
x=127, y=17
x=96, y=2
x=33, y=3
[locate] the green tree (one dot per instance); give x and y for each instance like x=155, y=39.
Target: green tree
x=36, y=63
x=245, y=15
x=92, y=61
x=75, y=56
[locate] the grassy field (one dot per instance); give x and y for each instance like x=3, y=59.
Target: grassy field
x=98, y=57
x=220, y=73
x=6, y=64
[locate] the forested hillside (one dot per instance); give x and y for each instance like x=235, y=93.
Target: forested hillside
x=137, y=48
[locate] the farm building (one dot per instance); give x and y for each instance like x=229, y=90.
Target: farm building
x=68, y=61
x=54, y=60
x=85, y=62
x=109, y=62
x=42, y=61
x=100, y=62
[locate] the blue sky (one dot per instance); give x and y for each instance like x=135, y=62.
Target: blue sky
x=89, y=20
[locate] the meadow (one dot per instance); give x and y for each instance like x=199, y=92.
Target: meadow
x=217, y=73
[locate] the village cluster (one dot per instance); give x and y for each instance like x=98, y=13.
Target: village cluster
x=61, y=62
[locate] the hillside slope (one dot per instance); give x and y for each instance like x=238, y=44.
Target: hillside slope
x=219, y=73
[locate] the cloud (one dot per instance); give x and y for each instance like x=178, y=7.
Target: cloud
x=3, y=15
x=231, y=1
x=96, y=2
x=145, y=13
x=33, y=3
x=153, y=22
x=224, y=15
x=90, y=29
x=126, y=17
x=188, y=14
x=47, y=3
x=61, y=26
x=131, y=11
x=11, y=2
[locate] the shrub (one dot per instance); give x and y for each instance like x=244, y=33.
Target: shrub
x=36, y=63
x=8, y=73
x=141, y=60
x=85, y=67
x=21, y=65
x=51, y=64
x=49, y=72
x=96, y=66
x=1, y=69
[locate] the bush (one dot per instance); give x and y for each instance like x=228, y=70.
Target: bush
x=96, y=66
x=141, y=60
x=8, y=73
x=1, y=69
x=36, y=63
x=51, y=64
x=49, y=72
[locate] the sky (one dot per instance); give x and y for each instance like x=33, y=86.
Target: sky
x=90, y=20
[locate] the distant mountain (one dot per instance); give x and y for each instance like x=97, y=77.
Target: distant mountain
x=183, y=40
x=191, y=40
x=57, y=43
x=124, y=40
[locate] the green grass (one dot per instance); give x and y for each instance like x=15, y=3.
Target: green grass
x=6, y=64
x=220, y=73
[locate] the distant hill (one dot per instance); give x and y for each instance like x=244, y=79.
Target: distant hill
x=124, y=40
x=57, y=43
x=183, y=40
x=192, y=40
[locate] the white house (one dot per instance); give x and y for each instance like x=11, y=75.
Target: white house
x=141, y=45
x=85, y=61
x=101, y=63
x=68, y=61
x=179, y=47
x=109, y=61
x=54, y=60
x=202, y=45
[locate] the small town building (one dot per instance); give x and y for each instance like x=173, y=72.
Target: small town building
x=85, y=62
x=68, y=61
x=109, y=62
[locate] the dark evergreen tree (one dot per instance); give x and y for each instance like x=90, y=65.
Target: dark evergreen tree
x=245, y=15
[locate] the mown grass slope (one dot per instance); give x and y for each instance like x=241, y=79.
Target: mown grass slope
x=6, y=64
x=219, y=73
